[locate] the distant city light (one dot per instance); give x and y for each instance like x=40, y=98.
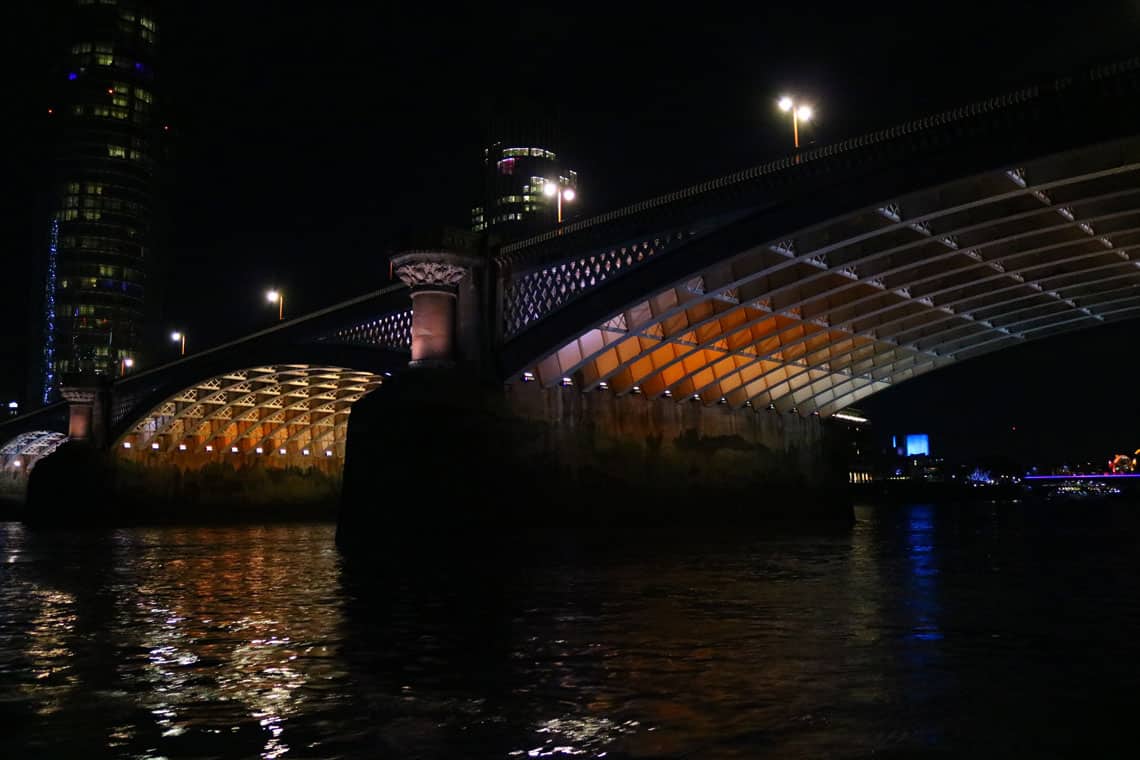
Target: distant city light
x=917, y=444
x=13, y=404
x=72, y=76
x=849, y=417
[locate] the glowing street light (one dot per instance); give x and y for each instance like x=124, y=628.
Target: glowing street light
x=179, y=337
x=800, y=112
x=124, y=364
x=560, y=191
x=278, y=297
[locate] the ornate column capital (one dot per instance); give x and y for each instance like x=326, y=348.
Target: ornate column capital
x=433, y=270
x=79, y=395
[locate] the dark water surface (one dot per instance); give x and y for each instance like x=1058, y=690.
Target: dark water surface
x=979, y=631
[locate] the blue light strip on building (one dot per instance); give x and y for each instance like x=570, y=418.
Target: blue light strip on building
x=49, y=315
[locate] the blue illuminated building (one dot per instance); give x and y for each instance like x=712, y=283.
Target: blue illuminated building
x=105, y=134
x=917, y=445
x=48, y=371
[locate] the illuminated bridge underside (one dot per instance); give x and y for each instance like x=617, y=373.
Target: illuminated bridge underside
x=828, y=315
x=22, y=452
x=298, y=409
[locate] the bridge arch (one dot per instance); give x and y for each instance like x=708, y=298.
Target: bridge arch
x=812, y=307
x=274, y=416
x=20, y=455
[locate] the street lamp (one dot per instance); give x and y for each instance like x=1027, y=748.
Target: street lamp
x=799, y=112
x=179, y=337
x=559, y=191
x=278, y=297
x=124, y=364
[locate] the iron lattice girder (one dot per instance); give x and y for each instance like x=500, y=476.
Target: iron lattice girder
x=283, y=403
x=36, y=443
x=389, y=331
x=1042, y=240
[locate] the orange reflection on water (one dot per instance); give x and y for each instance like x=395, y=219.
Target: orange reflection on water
x=232, y=625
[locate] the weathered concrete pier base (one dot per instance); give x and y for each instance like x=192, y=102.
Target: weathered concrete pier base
x=438, y=455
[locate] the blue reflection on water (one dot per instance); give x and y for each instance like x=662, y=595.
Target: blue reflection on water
x=922, y=568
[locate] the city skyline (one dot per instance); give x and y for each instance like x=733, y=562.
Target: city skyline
x=107, y=143
x=305, y=151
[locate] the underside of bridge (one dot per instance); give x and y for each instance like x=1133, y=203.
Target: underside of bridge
x=19, y=455
x=279, y=416
x=829, y=314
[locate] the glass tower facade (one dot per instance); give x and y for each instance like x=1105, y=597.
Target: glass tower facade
x=525, y=190
x=104, y=186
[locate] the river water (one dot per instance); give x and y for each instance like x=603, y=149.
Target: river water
x=985, y=630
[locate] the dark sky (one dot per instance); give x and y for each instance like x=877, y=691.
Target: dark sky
x=308, y=137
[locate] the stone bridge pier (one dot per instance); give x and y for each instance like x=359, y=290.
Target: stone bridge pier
x=478, y=455
x=89, y=405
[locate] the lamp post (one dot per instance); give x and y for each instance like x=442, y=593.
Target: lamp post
x=124, y=364
x=179, y=337
x=799, y=111
x=562, y=192
x=278, y=297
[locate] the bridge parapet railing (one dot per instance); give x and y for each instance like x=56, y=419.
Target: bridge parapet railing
x=902, y=139
x=392, y=331
x=543, y=273
x=529, y=296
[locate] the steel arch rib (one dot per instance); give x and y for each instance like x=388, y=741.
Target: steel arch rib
x=887, y=370
x=944, y=353
x=872, y=335
x=830, y=359
x=1124, y=312
x=847, y=284
x=652, y=349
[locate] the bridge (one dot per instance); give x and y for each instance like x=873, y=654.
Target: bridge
x=755, y=305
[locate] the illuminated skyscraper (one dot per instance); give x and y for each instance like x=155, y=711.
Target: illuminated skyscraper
x=526, y=189
x=104, y=187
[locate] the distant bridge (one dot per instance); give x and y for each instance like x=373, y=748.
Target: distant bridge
x=798, y=287
x=1082, y=476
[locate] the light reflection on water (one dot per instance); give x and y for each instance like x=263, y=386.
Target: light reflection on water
x=922, y=630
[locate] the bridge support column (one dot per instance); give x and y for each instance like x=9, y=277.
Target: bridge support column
x=434, y=278
x=87, y=402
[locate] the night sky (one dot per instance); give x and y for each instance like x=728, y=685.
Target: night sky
x=307, y=138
